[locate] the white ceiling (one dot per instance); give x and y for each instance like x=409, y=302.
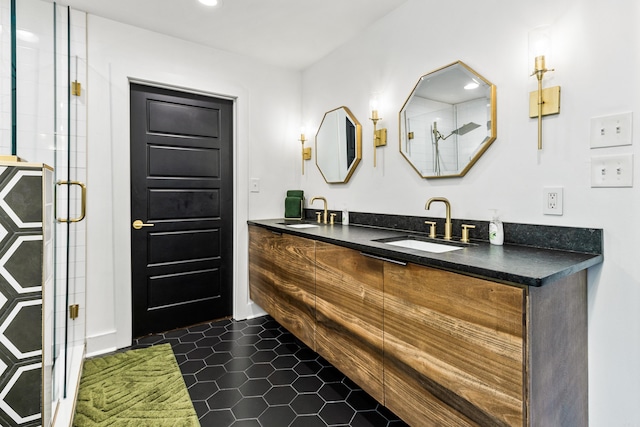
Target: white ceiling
x=288, y=33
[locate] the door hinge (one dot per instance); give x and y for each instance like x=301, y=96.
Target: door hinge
x=76, y=88
x=74, y=311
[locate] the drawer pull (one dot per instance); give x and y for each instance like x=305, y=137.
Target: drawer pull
x=381, y=258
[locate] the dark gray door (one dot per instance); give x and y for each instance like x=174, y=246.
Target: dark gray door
x=181, y=195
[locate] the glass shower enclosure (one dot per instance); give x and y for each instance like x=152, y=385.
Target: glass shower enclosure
x=46, y=48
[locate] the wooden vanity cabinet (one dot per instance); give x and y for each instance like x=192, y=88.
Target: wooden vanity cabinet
x=282, y=280
x=435, y=347
x=349, y=317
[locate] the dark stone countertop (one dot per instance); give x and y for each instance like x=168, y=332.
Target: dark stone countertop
x=510, y=263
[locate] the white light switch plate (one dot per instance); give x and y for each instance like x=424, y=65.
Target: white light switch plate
x=611, y=131
x=612, y=171
x=254, y=185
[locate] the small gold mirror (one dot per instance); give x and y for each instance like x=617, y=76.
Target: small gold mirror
x=448, y=121
x=338, y=145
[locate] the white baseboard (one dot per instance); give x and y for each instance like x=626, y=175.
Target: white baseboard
x=249, y=311
x=102, y=343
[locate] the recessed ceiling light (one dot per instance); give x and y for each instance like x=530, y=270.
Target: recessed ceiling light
x=472, y=85
x=209, y=2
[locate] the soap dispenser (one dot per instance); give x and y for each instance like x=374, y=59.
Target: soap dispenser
x=345, y=215
x=496, y=231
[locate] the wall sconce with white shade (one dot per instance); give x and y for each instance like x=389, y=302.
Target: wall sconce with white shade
x=379, y=135
x=542, y=102
x=306, y=152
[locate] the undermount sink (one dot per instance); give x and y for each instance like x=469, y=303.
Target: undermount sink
x=297, y=225
x=301, y=225
x=421, y=245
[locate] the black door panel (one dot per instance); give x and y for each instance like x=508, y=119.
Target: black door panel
x=181, y=186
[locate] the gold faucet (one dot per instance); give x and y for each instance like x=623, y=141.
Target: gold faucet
x=447, y=224
x=324, y=217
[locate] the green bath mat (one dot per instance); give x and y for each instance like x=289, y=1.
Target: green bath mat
x=136, y=388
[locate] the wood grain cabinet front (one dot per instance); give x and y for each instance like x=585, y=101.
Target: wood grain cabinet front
x=282, y=280
x=349, y=318
x=463, y=351
x=454, y=348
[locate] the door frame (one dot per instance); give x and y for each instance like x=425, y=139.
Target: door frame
x=121, y=181
x=108, y=247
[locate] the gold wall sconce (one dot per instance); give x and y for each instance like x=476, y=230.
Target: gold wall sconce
x=379, y=135
x=306, y=152
x=542, y=102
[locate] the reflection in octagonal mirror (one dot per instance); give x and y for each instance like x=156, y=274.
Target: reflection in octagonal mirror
x=338, y=145
x=448, y=121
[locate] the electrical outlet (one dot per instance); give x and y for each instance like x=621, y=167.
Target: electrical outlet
x=552, y=199
x=254, y=185
x=611, y=131
x=612, y=171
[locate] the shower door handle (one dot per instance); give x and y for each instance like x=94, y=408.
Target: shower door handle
x=138, y=224
x=83, y=201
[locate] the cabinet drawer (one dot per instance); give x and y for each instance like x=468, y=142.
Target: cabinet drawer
x=282, y=280
x=349, y=317
x=454, y=347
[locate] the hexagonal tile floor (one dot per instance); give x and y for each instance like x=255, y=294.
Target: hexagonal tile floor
x=255, y=373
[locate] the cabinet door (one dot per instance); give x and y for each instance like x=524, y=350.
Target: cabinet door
x=454, y=348
x=282, y=280
x=349, y=314
x=262, y=278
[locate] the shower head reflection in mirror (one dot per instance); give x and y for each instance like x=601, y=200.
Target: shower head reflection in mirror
x=451, y=104
x=436, y=137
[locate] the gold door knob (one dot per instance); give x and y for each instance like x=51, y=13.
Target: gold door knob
x=138, y=224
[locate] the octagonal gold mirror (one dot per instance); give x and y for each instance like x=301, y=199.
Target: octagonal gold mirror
x=448, y=121
x=338, y=145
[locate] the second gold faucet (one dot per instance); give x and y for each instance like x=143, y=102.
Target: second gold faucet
x=324, y=217
x=447, y=225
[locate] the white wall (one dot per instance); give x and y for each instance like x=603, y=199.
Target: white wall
x=596, y=51
x=267, y=105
